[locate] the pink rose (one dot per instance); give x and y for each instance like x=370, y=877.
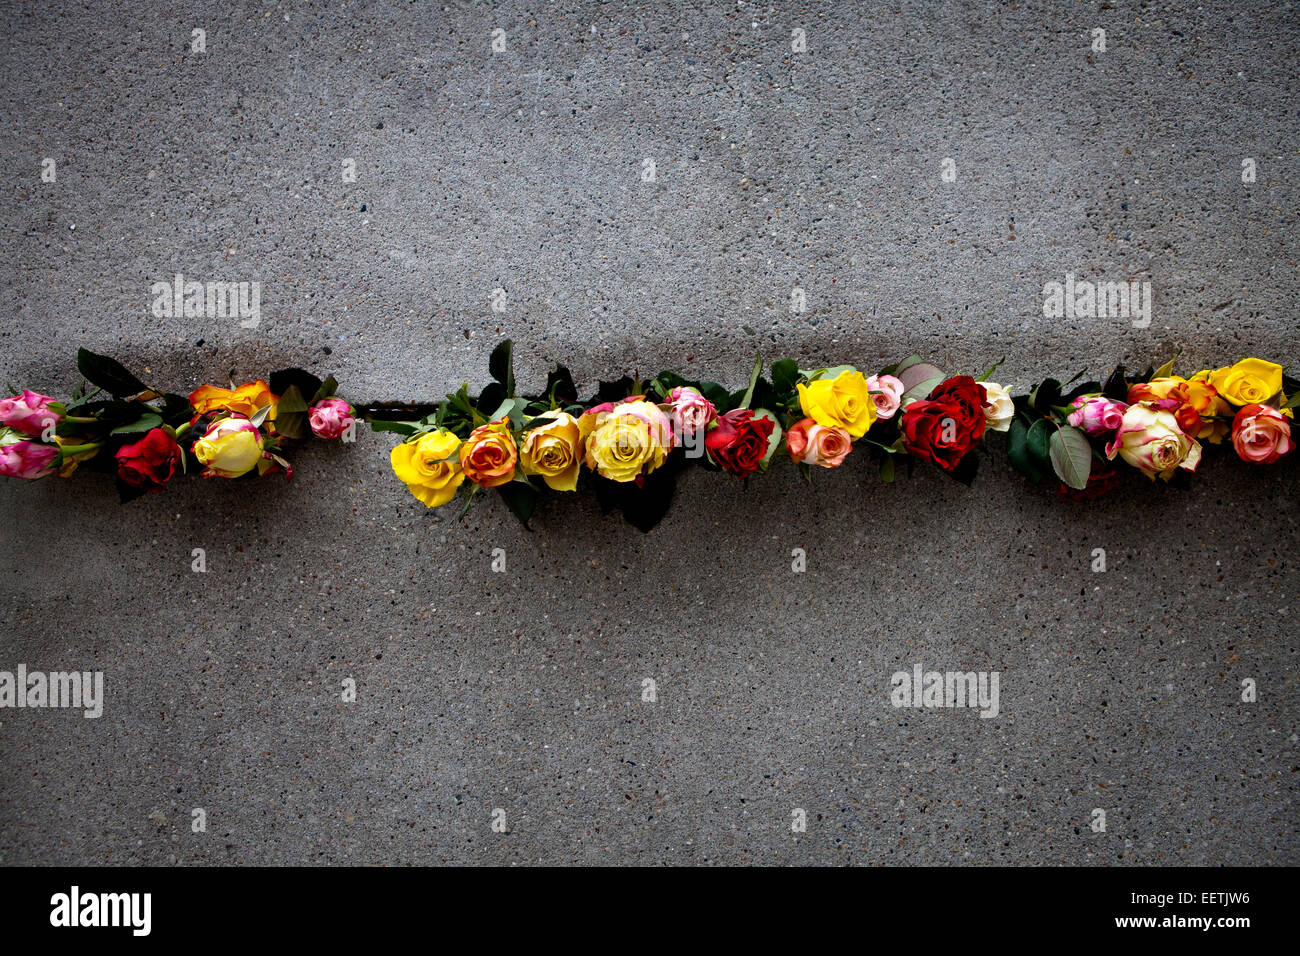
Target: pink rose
x=1096, y=415
x=1151, y=440
x=26, y=459
x=813, y=444
x=1261, y=434
x=29, y=412
x=887, y=392
x=330, y=417
x=691, y=412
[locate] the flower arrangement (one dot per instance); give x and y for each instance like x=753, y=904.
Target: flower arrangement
x=633, y=437
x=145, y=437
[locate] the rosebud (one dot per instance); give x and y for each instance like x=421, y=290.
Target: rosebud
x=29, y=412
x=1096, y=415
x=20, y=458
x=330, y=417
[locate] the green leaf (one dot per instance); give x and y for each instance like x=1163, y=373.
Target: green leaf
x=293, y=425
x=146, y=422
x=1018, y=451
x=907, y=363
x=290, y=414
x=520, y=497
x=613, y=391
x=992, y=368
x=1116, y=387
x=785, y=374
x=1083, y=388
x=753, y=380
x=175, y=409
x=527, y=424
x=259, y=416
x=108, y=374
x=328, y=389
x=292, y=401
x=1071, y=456
x=559, y=386
x=919, y=380
x=460, y=401
x=401, y=428
x=286, y=378
x=716, y=394
x=920, y=390
x=493, y=396
x=1166, y=370
x=663, y=383
x=502, y=367
x=1293, y=401
x=774, y=440
x=887, y=469
x=1039, y=439
x=1047, y=394
x=645, y=505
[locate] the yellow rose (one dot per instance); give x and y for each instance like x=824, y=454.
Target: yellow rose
x=625, y=440
x=1251, y=381
x=229, y=448
x=554, y=451
x=842, y=402
x=429, y=466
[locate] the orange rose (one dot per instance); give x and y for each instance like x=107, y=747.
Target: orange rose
x=1205, y=398
x=1198, y=404
x=1154, y=390
x=245, y=400
x=488, y=456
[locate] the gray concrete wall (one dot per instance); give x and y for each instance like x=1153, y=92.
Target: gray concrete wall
x=522, y=691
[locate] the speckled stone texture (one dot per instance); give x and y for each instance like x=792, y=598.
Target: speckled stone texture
x=522, y=690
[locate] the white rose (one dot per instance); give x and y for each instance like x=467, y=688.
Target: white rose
x=998, y=409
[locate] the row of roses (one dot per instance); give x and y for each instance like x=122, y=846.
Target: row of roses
x=631, y=430
x=627, y=439
x=145, y=437
x=912, y=409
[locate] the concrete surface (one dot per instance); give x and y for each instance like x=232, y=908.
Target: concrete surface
x=522, y=691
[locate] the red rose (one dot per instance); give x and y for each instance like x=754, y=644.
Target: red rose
x=968, y=396
x=149, y=463
x=944, y=427
x=739, y=441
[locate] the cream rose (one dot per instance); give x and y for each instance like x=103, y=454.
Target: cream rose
x=1151, y=440
x=998, y=408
